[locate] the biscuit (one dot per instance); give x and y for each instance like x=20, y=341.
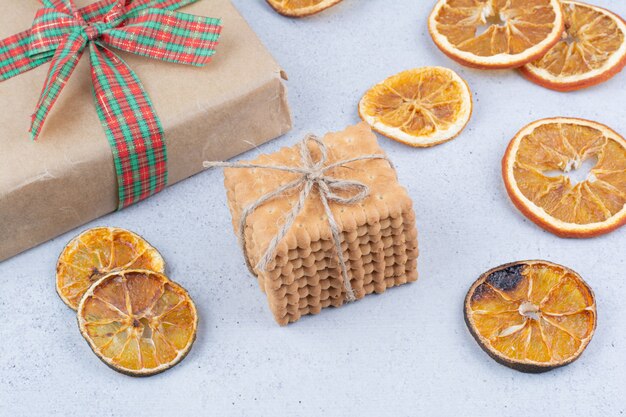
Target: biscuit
x=378, y=235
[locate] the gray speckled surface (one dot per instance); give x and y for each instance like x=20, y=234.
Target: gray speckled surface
x=406, y=352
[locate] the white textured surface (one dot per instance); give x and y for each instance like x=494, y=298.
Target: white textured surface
x=404, y=353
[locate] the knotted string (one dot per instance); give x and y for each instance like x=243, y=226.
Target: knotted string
x=312, y=174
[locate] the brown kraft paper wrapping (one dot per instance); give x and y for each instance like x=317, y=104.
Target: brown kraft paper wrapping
x=67, y=177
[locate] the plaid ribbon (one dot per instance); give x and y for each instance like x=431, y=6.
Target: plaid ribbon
x=60, y=34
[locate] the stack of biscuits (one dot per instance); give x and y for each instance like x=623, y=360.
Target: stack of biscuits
x=378, y=235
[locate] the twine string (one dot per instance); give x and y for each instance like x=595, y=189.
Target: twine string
x=312, y=174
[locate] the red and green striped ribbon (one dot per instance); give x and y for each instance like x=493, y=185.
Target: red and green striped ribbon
x=152, y=28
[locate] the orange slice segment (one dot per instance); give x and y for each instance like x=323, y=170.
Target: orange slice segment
x=96, y=252
x=496, y=33
x=592, y=50
x=301, y=8
x=532, y=316
x=419, y=107
x=138, y=321
x=535, y=168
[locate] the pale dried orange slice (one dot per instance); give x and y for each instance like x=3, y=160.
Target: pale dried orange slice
x=419, y=107
x=301, y=8
x=138, y=321
x=532, y=316
x=96, y=252
x=592, y=50
x=496, y=33
x=534, y=168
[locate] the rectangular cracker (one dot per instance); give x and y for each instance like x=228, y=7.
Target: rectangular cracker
x=378, y=235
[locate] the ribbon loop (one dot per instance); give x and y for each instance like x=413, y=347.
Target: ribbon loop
x=312, y=173
x=360, y=191
x=63, y=6
x=48, y=30
x=168, y=36
x=116, y=13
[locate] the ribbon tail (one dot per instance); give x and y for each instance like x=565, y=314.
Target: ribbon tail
x=64, y=62
x=132, y=127
x=166, y=35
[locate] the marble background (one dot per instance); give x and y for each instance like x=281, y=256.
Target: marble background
x=404, y=353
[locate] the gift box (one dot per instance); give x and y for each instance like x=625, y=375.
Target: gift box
x=68, y=176
x=373, y=214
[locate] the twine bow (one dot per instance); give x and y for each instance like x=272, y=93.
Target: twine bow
x=313, y=174
x=60, y=34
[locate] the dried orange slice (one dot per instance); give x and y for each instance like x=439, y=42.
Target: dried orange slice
x=496, y=33
x=534, y=168
x=592, y=50
x=419, y=107
x=532, y=316
x=96, y=252
x=138, y=321
x=301, y=8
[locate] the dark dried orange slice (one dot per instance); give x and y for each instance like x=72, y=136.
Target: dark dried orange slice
x=98, y=251
x=532, y=316
x=138, y=321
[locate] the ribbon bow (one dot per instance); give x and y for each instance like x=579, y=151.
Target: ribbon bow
x=61, y=32
x=312, y=175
